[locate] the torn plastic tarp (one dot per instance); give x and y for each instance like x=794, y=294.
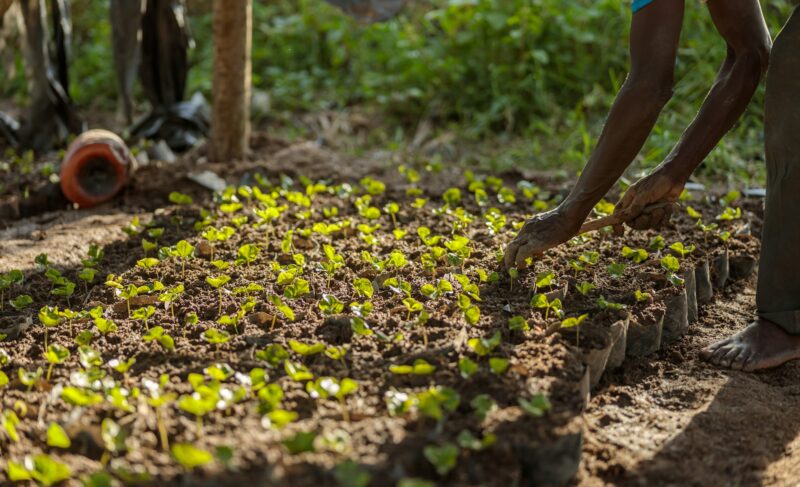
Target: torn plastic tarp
x=51, y=116
x=152, y=36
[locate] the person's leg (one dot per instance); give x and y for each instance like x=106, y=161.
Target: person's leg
x=773, y=338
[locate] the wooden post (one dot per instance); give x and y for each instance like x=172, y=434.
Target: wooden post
x=230, y=123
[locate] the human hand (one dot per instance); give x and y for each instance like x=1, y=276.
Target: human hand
x=656, y=188
x=540, y=233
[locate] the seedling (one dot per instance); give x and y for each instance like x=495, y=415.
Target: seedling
x=283, y=308
x=363, y=287
x=443, y=458
x=484, y=346
x=472, y=314
x=216, y=337
x=585, y=287
x=333, y=263
x=682, y=250
x=57, y=437
x=730, y=214
x=518, y=323
x=536, y=406
x=9, y=279
x=636, y=255
x=413, y=306
x=247, y=254
x=467, y=367
x=539, y=301
x=657, y=243
x=21, y=302
x=443, y=287
x=158, y=334
x=158, y=399
x=144, y=314
x=306, y=350
x=169, y=296
x=575, y=322
x=189, y=456
x=218, y=283
x=56, y=354
x=672, y=266
x=49, y=317
x=616, y=270
x=40, y=468
x=419, y=367
x=325, y=387
x=330, y=305
x=184, y=250
x=603, y=304
x=642, y=296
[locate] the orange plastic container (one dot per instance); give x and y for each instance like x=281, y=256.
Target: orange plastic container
x=96, y=167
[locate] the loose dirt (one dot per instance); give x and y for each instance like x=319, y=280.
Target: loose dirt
x=664, y=419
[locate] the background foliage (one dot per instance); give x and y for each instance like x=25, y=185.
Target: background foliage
x=539, y=71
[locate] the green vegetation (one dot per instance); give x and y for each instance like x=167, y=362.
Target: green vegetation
x=545, y=72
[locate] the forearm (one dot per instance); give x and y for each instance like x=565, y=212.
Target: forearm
x=630, y=121
x=732, y=91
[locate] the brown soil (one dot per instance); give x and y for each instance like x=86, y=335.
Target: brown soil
x=639, y=422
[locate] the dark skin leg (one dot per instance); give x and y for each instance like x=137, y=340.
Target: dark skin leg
x=762, y=345
x=655, y=33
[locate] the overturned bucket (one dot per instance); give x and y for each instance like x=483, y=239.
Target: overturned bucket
x=96, y=167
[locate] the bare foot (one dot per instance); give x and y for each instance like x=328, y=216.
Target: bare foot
x=762, y=345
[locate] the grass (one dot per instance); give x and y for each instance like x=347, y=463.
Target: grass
x=523, y=84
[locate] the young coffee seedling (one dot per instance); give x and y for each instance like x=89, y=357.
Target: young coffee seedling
x=325, y=387
x=575, y=322
x=56, y=354
x=539, y=301
x=218, y=283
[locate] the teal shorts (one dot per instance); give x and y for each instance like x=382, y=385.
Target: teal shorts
x=640, y=4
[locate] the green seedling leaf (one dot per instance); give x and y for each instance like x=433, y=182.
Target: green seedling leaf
x=467, y=367
x=180, y=198
x=657, y=243
x=363, y=287
x=298, y=372
x=670, y=263
x=482, y=404
x=301, y=442
x=443, y=458
x=536, y=406
x=574, y=321
x=636, y=255
x=616, y=270
x=57, y=437
x=21, y=302
x=305, y=349
x=682, y=250
x=545, y=279
x=585, y=287
x=468, y=441
x=498, y=365
x=189, y=456
x=420, y=367
x=484, y=346
x=350, y=474
x=518, y=323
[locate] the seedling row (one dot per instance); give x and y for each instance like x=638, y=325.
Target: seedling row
x=305, y=332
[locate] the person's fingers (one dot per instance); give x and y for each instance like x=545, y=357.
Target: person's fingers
x=529, y=250
x=511, y=253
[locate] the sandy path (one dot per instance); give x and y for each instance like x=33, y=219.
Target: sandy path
x=674, y=420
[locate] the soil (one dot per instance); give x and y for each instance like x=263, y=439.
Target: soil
x=661, y=419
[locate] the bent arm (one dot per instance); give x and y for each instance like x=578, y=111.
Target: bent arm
x=655, y=32
x=741, y=23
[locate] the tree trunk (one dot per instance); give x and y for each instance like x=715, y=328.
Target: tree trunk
x=230, y=124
